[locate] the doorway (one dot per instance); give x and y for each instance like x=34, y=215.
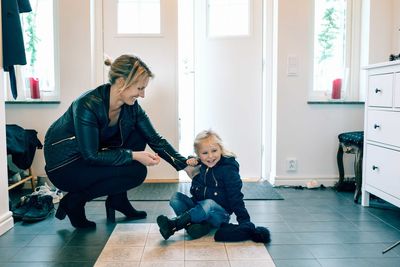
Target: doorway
x=207, y=75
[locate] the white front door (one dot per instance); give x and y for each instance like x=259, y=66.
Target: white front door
x=159, y=52
x=228, y=77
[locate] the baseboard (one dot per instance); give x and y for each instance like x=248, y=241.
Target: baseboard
x=158, y=180
x=302, y=181
x=6, y=222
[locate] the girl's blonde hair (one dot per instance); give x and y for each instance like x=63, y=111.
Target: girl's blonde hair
x=211, y=135
x=131, y=68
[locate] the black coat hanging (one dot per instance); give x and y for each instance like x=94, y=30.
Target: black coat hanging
x=13, y=41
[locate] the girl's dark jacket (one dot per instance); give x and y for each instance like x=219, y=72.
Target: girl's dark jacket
x=222, y=184
x=76, y=134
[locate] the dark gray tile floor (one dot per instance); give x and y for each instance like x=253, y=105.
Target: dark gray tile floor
x=309, y=228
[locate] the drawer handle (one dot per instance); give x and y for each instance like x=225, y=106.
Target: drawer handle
x=375, y=167
x=376, y=126
x=378, y=90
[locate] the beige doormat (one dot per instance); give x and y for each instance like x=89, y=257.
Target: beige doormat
x=141, y=245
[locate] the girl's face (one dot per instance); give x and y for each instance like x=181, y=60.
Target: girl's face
x=209, y=153
x=130, y=94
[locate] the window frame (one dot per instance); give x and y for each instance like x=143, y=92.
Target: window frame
x=45, y=96
x=163, y=9
x=352, y=58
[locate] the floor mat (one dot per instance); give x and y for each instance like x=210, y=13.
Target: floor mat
x=164, y=191
x=142, y=245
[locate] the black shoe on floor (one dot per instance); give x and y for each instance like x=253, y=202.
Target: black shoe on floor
x=24, y=206
x=40, y=209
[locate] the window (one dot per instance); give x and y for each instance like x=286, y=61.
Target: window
x=139, y=17
x=228, y=18
x=336, y=72
x=37, y=79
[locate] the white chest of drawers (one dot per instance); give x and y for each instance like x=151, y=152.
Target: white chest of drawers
x=381, y=170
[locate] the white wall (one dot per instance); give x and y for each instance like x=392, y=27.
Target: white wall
x=304, y=131
x=6, y=220
x=396, y=27
x=75, y=60
x=382, y=33
x=307, y=132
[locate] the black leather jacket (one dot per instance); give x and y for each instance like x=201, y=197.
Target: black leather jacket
x=76, y=134
x=222, y=184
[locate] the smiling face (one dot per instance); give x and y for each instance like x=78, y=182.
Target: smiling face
x=131, y=93
x=209, y=152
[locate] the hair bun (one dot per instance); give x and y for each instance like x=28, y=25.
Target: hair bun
x=107, y=62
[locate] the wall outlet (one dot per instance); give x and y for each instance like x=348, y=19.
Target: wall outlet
x=291, y=164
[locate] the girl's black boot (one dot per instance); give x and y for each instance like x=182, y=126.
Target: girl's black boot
x=169, y=226
x=121, y=203
x=197, y=230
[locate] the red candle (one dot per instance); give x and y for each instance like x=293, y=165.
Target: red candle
x=34, y=85
x=336, y=88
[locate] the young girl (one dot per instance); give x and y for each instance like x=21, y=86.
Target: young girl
x=216, y=191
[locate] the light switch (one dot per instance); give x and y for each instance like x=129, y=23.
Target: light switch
x=292, y=65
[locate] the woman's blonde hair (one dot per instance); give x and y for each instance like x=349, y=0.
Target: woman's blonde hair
x=131, y=68
x=211, y=135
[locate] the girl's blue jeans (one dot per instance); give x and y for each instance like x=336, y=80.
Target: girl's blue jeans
x=204, y=210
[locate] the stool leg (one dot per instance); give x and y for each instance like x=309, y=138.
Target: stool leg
x=358, y=173
x=339, y=158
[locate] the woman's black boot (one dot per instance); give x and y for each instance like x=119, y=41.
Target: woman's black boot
x=121, y=203
x=169, y=226
x=73, y=205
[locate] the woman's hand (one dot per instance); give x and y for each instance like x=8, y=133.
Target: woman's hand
x=192, y=171
x=192, y=162
x=146, y=158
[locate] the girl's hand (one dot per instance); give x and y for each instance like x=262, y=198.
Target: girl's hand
x=192, y=171
x=192, y=162
x=146, y=158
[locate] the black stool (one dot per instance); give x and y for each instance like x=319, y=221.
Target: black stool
x=351, y=143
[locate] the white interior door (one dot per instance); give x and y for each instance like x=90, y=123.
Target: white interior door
x=228, y=77
x=159, y=51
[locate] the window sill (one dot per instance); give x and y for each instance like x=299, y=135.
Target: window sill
x=335, y=102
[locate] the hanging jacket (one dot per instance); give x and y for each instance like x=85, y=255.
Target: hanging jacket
x=21, y=145
x=76, y=134
x=13, y=41
x=222, y=184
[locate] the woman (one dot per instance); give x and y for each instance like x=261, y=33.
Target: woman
x=96, y=148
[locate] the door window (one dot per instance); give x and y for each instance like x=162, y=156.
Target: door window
x=138, y=17
x=228, y=18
